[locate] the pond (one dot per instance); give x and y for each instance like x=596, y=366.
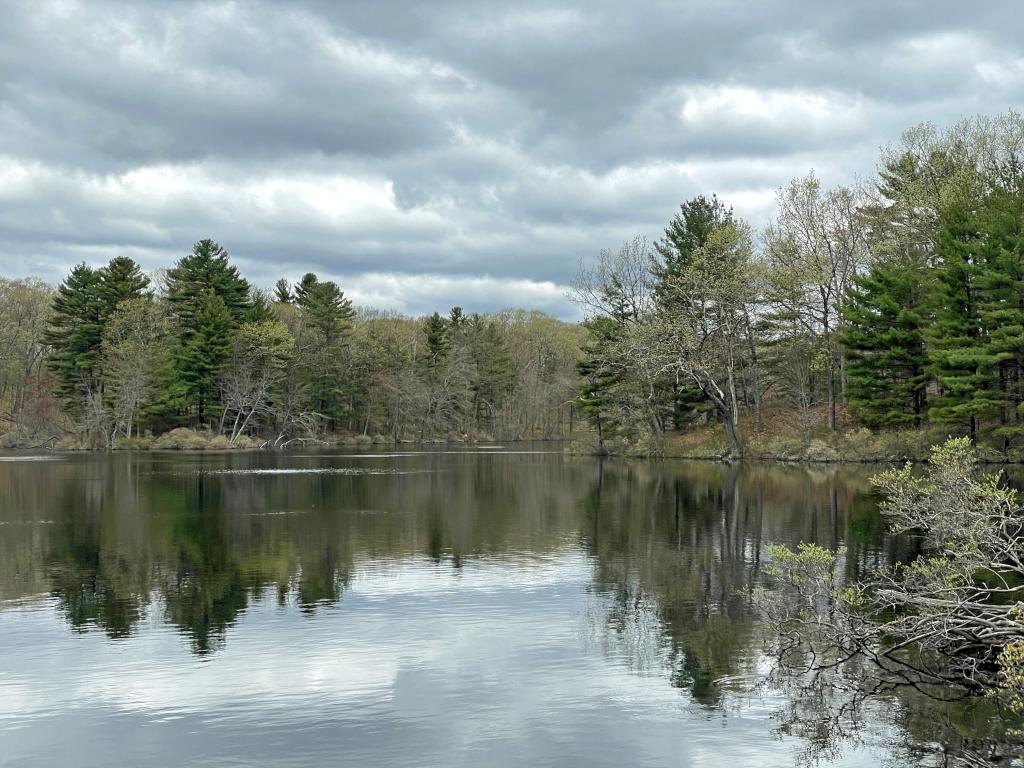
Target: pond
x=492, y=606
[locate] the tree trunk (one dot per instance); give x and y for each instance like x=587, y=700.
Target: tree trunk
x=732, y=434
x=832, y=395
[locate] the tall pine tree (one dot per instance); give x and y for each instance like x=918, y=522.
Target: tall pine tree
x=1000, y=292
x=960, y=362
x=886, y=312
x=327, y=317
x=206, y=269
x=685, y=235
x=81, y=307
x=204, y=357
x=75, y=335
x=209, y=298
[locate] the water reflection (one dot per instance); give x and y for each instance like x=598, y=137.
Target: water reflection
x=373, y=592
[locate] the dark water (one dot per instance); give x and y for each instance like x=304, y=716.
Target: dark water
x=476, y=608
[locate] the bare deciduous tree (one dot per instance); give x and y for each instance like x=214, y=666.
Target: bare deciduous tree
x=814, y=248
x=260, y=354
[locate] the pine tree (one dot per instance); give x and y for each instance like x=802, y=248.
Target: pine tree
x=260, y=310
x=1000, y=292
x=204, y=356
x=493, y=374
x=685, y=235
x=325, y=308
x=283, y=292
x=204, y=288
x=595, y=397
x=436, y=331
x=327, y=317
x=958, y=356
x=120, y=280
x=204, y=270
x=302, y=287
x=886, y=312
x=76, y=334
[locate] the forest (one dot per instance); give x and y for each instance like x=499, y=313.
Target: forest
x=890, y=307
x=197, y=357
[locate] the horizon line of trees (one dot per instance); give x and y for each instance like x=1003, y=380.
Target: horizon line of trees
x=111, y=355
x=901, y=301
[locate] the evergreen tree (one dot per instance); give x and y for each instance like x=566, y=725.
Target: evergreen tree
x=76, y=334
x=120, y=280
x=302, y=287
x=493, y=375
x=327, y=317
x=260, y=309
x=886, y=312
x=325, y=308
x=206, y=269
x=81, y=308
x=436, y=331
x=1000, y=292
x=958, y=356
x=204, y=289
x=204, y=356
x=685, y=235
x=283, y=292
x=599, y=380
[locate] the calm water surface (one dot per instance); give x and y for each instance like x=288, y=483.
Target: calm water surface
x=483, y=607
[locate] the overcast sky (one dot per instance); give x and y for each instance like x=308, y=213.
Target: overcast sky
x=425, y=154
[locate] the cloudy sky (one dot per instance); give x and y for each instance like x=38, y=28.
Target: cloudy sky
x=455, y=151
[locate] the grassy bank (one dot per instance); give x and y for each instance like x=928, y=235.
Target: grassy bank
x=183, y=439
x=788, y=437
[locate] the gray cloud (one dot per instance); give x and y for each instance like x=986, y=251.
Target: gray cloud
x=414, y=151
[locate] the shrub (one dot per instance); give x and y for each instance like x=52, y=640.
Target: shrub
x=819, y=450
x=181, y=439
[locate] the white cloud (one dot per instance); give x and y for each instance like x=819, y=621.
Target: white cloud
x=410, y=150
x=422, y=293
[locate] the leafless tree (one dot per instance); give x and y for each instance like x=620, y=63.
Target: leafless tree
x=814, y=248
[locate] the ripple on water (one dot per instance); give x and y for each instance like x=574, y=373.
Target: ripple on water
x=314, y=471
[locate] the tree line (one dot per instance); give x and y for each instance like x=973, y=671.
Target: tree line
x=895, y=303
x=112, y=355
x=898, y=301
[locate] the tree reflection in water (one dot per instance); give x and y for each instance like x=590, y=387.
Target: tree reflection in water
x=675, y=550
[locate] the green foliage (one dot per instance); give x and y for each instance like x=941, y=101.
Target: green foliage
x=81, y=307
x=204, y=271
x=204, y=356
x=283, y=292
x=1000, y=290
x=600, y=379
x=960, y=361
x=209, y=299
x=327, y=317
x=121, y=280
x=75, y=334
x=139, y=342
x=686, y=234
x=886, y=313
